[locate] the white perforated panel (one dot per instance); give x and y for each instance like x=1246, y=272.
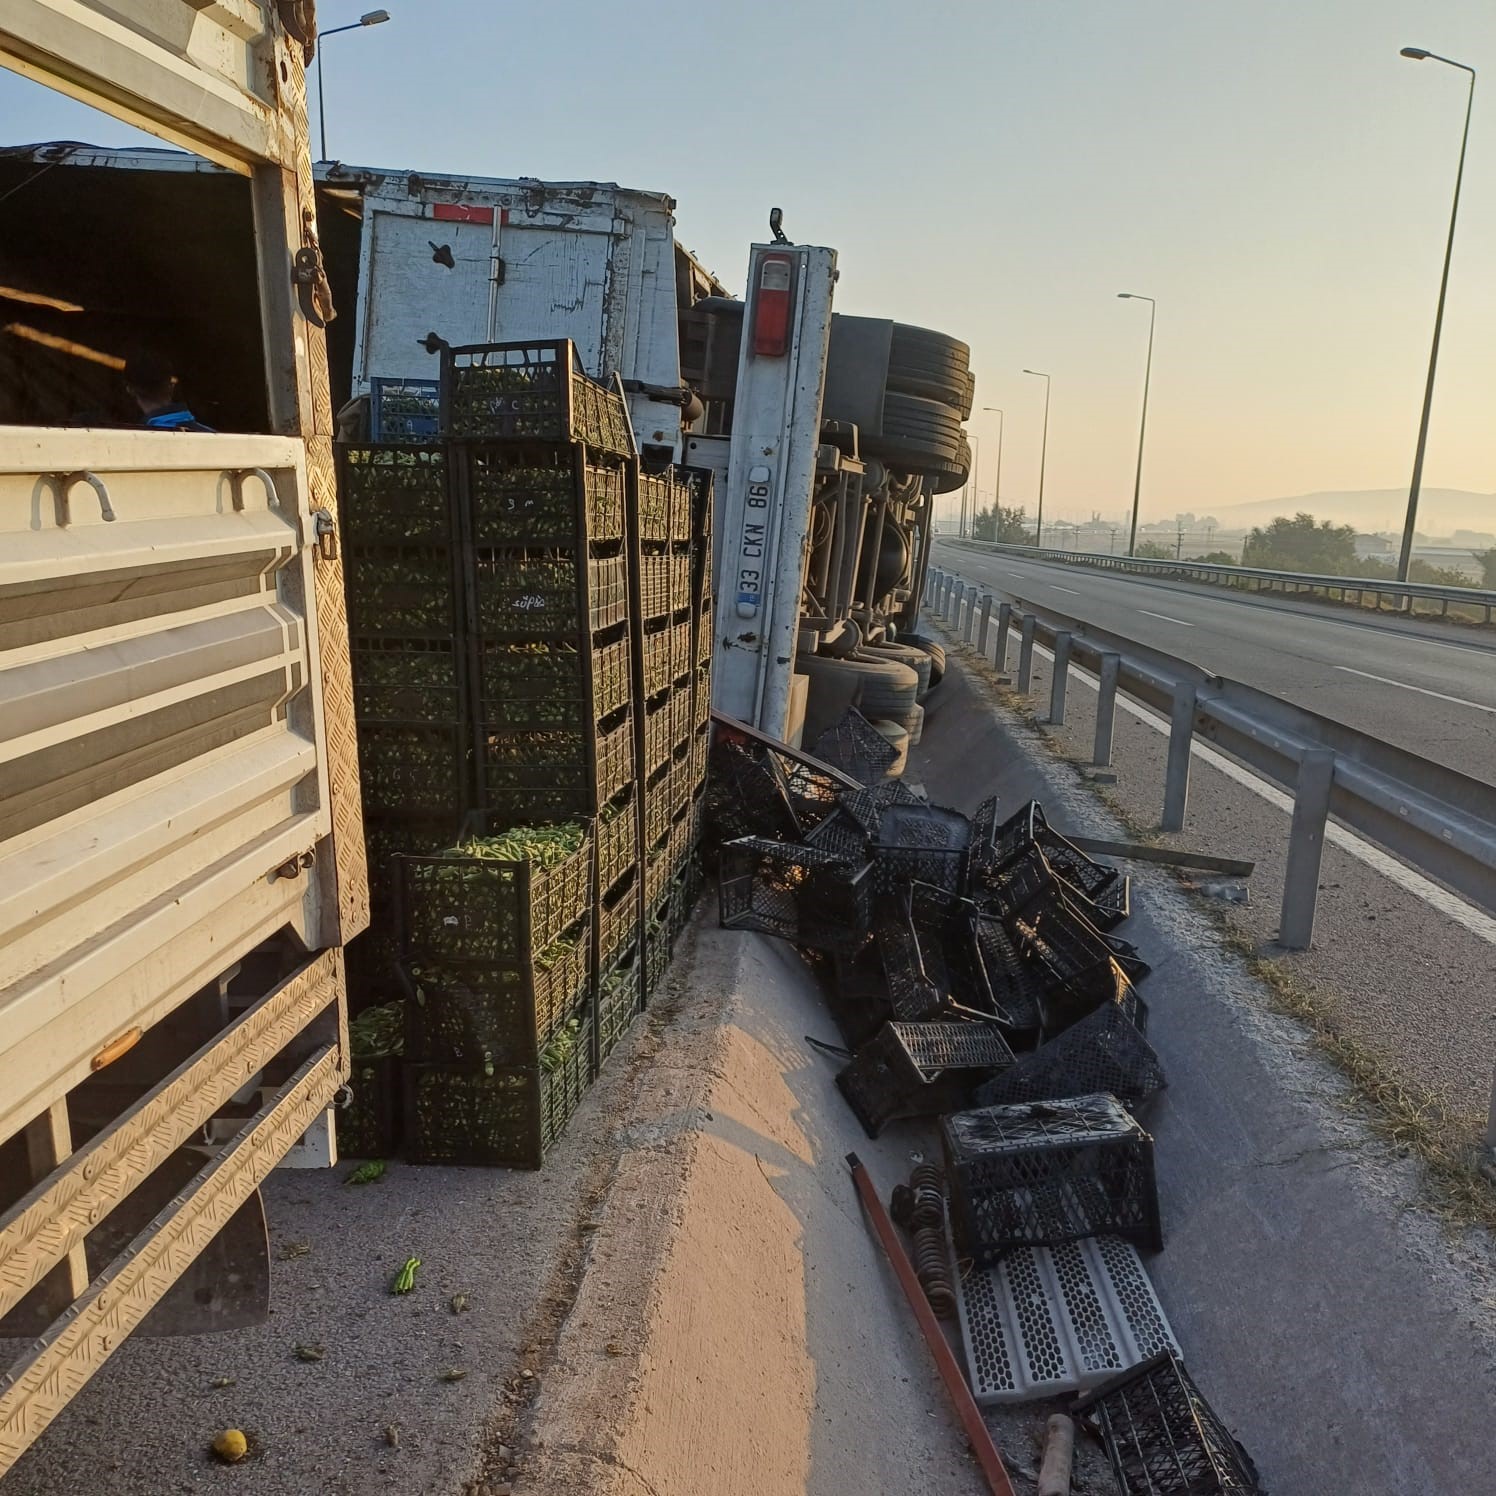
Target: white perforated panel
x=1048, y=1320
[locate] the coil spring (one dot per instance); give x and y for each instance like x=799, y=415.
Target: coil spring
x=927, y=1184
x=933, y=1269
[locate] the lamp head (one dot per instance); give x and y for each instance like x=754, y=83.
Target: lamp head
x=373, y=18
x=1416, y=53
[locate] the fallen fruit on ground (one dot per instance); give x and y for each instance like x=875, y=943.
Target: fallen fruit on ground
x=231, y=1446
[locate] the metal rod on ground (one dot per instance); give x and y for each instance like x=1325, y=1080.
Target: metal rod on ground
x=1306, y=845
x=984, y=626
x=977, y=1433
x=1106, y=709
x=1060, y=679
x=1004, y=623
x=1177, y=774
x=1059, y=1456
x=1026, y=653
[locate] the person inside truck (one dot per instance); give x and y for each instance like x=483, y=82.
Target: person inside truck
x=153, y=387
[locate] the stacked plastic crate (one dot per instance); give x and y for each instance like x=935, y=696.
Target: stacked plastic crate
x=402, y=546
x=501, y=1031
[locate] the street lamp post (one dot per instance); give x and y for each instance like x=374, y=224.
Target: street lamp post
x=1137, y=482
x=1043, y=453
x=997, y=483
x=369, y=18
x=973, y=488
x=1405, y=559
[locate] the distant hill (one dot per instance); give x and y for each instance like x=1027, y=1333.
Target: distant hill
x=1441, y=511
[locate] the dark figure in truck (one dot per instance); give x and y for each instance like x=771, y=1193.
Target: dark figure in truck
x=153, y=387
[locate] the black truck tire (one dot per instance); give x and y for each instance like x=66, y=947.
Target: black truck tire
x=916, y=659
x=930, y=365
x=877, y=688
x=919, y=436
x=935, y=651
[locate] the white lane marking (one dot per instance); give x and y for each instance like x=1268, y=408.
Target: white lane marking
x=1071, y=590
x=1422, y=690
x=1182, y=624
x=1017, y=574
x=1476, y=921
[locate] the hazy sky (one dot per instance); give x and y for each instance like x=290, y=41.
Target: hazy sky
x=1271, y=170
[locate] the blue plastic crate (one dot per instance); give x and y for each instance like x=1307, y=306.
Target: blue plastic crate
x=404, y=410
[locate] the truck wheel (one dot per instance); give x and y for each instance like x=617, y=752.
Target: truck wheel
x=931, y=648
x=931, y=365
x=921, y=436
x=898, y=735
x=916, y=659
x=917, y=730
x=877, y=688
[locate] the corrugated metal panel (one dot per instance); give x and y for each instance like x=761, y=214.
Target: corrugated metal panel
x=158, y=710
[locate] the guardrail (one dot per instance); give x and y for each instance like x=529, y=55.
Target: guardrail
x=1437, y=820
x=1259, y=579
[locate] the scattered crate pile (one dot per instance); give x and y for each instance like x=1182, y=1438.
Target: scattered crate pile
x=972, y=967
x=531, y=628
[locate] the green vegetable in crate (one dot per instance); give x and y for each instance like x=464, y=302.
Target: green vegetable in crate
x=553, y=954
x=405, y=1279
x=377, y=1032
x=546, y=846
x=554, y=1055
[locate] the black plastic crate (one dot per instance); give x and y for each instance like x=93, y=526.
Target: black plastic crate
x=507, y=1116
x=664, y=584
x=415, y=768
x=920, y=1070
x=704, y=633
x=618, y=846
x=620, y=916
x=857, y=748
x=404, y=410
x=913, y=993
x=659, y=734
x=1016, y=984
x=924, y=843
x=795, y=892
x=395, y=496
x=701, y=696
x=857, y=993
x=1163, y=1438
x=682, y=660
x=1047, y=1172
x=1006, y=891
x=547, y=684
x=747, y=793
x=402, y=590
x=493, y=1012
x=1104, y=1052
x=547, y=595
x=661, y=923
x=700, y=755
x=657, y=645
x=455, y=907
x=534, y=776
x=620, y=1000
x=658, y=808
x=410, y=679
x=866, y=805
x=1079, y=969
x=530, y=392
x=539, y=496
x=680, y=718
x=369, y=1125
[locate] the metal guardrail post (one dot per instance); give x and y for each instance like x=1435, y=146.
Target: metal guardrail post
x=1106, y=709
x=1306, y=844
x=1177, y=774
x=971, y=612
x=1026, y=653
x=1004, y=623
x=1059, y=680
x=945, y=601
x=984, y=625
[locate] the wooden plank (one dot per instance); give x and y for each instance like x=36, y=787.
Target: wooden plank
x=1137, y=852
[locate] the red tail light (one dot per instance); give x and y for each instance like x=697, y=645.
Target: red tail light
x=771, y=306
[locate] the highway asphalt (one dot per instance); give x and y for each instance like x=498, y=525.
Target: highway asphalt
x=1429, y=688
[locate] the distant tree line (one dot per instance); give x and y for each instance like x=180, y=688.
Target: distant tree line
x=1304, y=544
